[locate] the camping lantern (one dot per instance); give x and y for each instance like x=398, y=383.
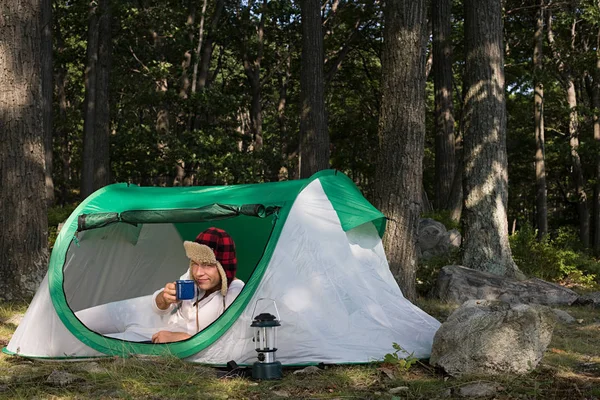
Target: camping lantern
x=265, y=343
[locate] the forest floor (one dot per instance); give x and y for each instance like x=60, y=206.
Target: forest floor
x=569, y=370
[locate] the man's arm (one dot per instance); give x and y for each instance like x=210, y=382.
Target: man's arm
x=167, y=337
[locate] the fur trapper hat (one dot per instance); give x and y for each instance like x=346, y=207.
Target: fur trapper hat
x=214, y=246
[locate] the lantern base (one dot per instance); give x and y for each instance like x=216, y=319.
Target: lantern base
x=267, y=371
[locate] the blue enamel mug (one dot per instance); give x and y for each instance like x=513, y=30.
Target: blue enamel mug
x=185, y=289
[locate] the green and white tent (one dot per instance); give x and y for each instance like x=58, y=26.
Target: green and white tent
x=313, y=246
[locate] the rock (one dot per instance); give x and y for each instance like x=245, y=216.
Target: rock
x=479, y=389
x=493, y=337
x=281, y=393
x=62, y=378
x=592, y=299
x=563, y=316
x=430, y=233
x=92, y=367
x=434, y=240
x=454, y=238
x=308, y=370
x=398, y=389
x=458, y=284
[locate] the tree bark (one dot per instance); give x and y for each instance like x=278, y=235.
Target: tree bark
x=538, y=95
x=252, y=70
x=444, y=114
x=102, y=120
x=199, y=47
x=485, y=243
x=208, y=47
x=314, y=136
x=23, y=242
x=596, y=118
x=89, y=122
x=568, y=83
x=577, y=171
x=399, y=168
x=62, y=133
x=47, y=89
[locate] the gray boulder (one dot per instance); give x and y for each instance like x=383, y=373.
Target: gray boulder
x=458, y=284
x=592, y=299
x=493, y=337
x=563, y=316
x=434, y=240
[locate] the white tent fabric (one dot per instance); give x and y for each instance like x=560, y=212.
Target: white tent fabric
x=334, y=292
x=41, y=332
x=336, y=296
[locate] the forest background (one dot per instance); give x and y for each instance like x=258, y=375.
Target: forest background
x=183, y=92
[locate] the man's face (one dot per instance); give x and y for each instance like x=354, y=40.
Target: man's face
x=207, y=276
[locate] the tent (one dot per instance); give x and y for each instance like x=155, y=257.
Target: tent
x=313, y=247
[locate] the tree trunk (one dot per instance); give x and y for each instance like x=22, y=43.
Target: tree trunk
x=23, y=242
x=61, y=132
x=538, y=95
x=47, y=89
x=284, y=80
x=402, y=136
x=596, y=107
x=455, y=200
x=208, y=47
x=569, y=84
x=444, y=113
x=199, y=47
x=486, y=245
x=314, y=137
x=102, y=120
x=252, y=70
x=89, y=122
x=577, y=171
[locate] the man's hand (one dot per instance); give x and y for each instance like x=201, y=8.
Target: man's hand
x=167, y=337
x=167, y=297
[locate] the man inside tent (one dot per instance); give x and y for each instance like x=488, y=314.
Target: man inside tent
x=161, y=318
x=212, y=266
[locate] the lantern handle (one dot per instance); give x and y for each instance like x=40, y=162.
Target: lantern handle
x=266, y=298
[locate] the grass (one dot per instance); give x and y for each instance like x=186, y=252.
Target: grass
x=569, y=370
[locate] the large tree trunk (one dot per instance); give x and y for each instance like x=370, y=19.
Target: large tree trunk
x=314, y=137
x=89, y=122
x=486, y=245
x=23, y=242
x=444, y=114
x=402, y=135
x=538, y=94
x=47, y=89
x=102, y=120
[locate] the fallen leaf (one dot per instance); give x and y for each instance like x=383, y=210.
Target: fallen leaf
x=389, y=372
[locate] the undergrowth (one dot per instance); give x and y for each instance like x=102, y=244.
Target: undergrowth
x=558, y=257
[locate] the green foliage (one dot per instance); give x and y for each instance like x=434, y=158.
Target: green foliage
x=428, y=270
x=56, y=215
x=557, y=258
x=443, y=216
x=399, y=363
